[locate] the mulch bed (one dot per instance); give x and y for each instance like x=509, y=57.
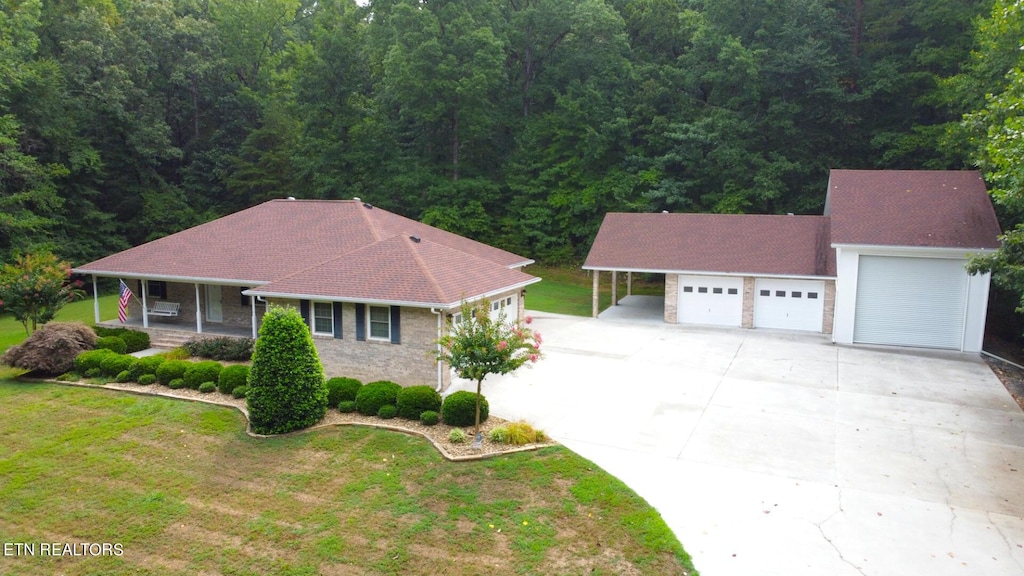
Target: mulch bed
x=436, y=435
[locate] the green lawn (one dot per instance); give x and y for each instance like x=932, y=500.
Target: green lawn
x=12, y=332
x=570, y=290
x=183, y=490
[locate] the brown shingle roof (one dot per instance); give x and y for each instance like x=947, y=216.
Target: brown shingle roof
x=911, y=208
x=727, y=243
x=283, y=240
x=399, y=269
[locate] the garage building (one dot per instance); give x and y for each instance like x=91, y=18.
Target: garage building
x=884, y=264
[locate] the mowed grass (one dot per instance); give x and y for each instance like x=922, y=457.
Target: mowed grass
x=12, y=332
x=570, y=290
x=184, y=491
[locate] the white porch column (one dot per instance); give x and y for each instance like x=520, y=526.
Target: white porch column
x=145, y=308
x=629, y=283
x=199, y=312
x=252, y=300
x=594, y=298
x=95, y=300
x=615, y=288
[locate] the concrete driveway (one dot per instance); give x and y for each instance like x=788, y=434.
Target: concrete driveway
x=776, y=453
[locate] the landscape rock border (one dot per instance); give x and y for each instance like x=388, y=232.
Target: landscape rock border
x=434, y=434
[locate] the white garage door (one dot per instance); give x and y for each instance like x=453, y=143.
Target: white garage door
x=911, y=302
x=710, y=300
x=788, y=304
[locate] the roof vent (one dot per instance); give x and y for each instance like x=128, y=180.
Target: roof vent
x=789, y=213
x=367, y=205
x=664, y=211
x=291, y=197
x=356, y=198
x=415, y=239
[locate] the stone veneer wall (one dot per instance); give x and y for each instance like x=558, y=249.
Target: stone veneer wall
x=829, y=313
x=748, y=302
x=672, y=298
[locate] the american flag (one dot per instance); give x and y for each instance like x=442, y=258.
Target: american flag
x=122, y=303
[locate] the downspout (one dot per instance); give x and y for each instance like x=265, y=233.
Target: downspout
x=252, y=299
x=95, y=300
x=440, y=379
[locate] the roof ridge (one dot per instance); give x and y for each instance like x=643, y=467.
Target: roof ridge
x=371, y=224
x=423, y=265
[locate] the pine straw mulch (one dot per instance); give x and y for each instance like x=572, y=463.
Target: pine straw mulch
x=436, y=435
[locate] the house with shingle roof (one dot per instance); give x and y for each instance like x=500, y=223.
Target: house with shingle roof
x=884, y=264
x=375, y=288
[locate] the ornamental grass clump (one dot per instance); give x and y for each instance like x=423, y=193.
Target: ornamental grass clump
x=287, y=391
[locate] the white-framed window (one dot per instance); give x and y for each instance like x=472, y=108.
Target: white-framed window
x=380, y=322
x=323, y=318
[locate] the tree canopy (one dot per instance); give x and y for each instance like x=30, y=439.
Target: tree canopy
x=517, y=122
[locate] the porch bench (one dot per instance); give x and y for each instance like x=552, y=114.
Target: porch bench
x=164, y=309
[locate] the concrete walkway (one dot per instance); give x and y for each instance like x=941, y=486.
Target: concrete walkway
x=776, y=453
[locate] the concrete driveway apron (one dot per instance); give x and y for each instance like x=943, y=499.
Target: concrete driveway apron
x=777, y=453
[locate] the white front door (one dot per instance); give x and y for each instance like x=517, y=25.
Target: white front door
x=214, y=310
x=789, y=304
x=710, y=300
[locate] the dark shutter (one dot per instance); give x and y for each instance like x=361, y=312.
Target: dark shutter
x=139, y=291
x=360, y=322
x=396, y=324
x=245, y=299
x=304, y=311
x=337, y=319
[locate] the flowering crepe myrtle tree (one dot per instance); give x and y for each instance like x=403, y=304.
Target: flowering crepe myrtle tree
x=35, y=286
x=478, y=345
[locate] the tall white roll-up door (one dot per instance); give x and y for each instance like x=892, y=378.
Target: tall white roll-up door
x=910, y=302
x=710, y=300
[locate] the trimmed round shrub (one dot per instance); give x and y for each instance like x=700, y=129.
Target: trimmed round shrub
x=114, y=364
x=93, y=373
x=459, y=409
x=286, y=381
x=416, y=400
x=347, y=406
x=52, y=348
x=124, y=376
x=90, y=359
x=207, y=387
x=171, y=370
x=199, y=372
x=176, y=384
x=456, y=436
x=340, y=389
x=430, y=418
x=134, y=340
x=232, y=377
x=387, y=411
x=372, y=396
x=145, y=365
x=112, y=343
x=147, y=379
x=239, y=391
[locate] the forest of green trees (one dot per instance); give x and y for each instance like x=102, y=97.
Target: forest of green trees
x=516, y=122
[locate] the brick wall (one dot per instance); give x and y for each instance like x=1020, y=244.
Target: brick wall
x=672, y=298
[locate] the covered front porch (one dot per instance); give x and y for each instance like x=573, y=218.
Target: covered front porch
x=163, y=335
x=164, y=306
